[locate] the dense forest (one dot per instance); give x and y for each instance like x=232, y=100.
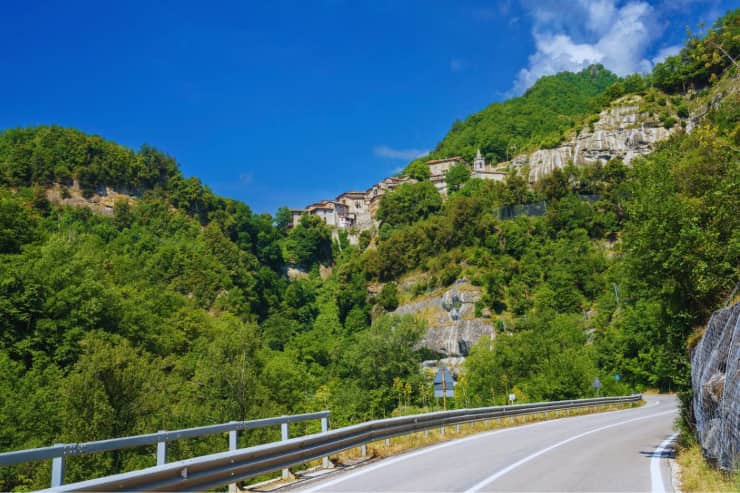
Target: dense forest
x=176, y=310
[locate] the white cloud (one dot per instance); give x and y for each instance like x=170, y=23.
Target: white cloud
x=664, y=53
x=590, y=31
x=389, y=152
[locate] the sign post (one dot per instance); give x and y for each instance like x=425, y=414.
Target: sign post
x=596, y=385
x=512, y=398
x=444, y=385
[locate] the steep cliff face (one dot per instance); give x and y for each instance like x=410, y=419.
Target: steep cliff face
x=452, y=325
x=621, y=131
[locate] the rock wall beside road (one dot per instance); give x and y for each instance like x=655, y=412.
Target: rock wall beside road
x=715, y=379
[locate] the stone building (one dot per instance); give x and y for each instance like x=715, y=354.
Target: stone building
x=438, y=169
x=358, y=208
x=333, y=213
x=384, y=186
x=484, y=171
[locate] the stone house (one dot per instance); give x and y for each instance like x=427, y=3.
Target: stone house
x=438, y=169
x=358, y=208
x=384, y=186
x=334, y=214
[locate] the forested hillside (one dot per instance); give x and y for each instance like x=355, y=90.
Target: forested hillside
x=176, y=311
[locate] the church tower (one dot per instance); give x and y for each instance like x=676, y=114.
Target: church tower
x=479, y=164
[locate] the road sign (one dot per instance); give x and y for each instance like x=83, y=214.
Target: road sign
x=512, y=398
x=444, y=385
x=617, y=377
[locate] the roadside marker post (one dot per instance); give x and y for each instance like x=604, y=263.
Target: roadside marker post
x=444, y=385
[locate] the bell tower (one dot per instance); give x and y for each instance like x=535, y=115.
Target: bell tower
x=479, y=164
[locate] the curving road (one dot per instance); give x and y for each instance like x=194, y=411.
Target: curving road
x=615, y=451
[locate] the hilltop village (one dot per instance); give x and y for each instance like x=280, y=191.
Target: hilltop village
x=356, y=209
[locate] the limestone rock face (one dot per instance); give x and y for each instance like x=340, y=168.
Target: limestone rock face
x=453, y=327
x=620, y=132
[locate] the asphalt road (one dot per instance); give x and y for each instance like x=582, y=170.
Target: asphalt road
x=615, y=451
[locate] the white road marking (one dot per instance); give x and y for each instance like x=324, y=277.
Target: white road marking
x=656, y=478
x=511, y=467
x=388, y=462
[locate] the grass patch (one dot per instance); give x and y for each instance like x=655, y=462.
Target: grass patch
x=698, y=476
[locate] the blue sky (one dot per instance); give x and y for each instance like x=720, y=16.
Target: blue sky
x=287, y=102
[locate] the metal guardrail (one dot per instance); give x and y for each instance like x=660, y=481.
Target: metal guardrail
x=58, y=452
x=210, y=471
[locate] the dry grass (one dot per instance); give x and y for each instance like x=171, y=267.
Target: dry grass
x=698, y=476
x=396, y=445
x=431, y=315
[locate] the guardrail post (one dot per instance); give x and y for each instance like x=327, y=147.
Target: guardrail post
x=161, y=451
x=57, y=470
x=232, y=446
x=284, y=436
x=324, y=429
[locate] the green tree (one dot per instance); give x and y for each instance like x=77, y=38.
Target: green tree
x=388, y=297
x=309, y=243
x=410, y=202
x=457, y=176
x=418, y=170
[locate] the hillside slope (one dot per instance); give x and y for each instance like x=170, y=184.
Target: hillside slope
x=174, y=311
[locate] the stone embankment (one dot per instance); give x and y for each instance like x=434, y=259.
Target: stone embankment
x=715, y=379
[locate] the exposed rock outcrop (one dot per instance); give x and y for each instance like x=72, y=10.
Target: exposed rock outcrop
x=620, y=132
x=453, y=327
x=102, y=201
x=715, y=378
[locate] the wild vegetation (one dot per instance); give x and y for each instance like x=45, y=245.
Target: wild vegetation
x=176, y=311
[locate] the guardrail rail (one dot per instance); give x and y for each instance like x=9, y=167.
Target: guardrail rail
x=214, y=470
x=57, y=453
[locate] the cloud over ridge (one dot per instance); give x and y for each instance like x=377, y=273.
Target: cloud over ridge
x=570, y=36
x=390, y=152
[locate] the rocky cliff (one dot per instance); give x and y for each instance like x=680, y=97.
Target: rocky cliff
x=102, y=201
x=715, y=380
x=452, y=325
x=621, y=131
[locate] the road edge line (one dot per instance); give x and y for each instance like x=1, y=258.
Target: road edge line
x=656, y=478
x=490, y=479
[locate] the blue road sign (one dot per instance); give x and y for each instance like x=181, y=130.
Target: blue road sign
x=444, y=385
